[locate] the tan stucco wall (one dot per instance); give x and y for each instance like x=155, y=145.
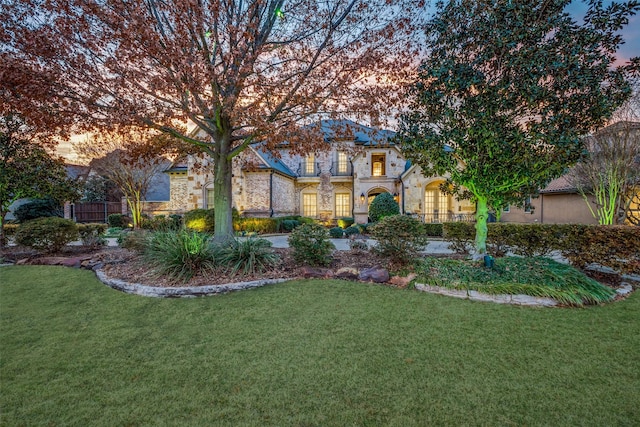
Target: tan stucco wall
x=553, y=209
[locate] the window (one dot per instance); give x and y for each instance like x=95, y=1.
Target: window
x=309, y=204
x=377, y=164
x=436, y=204
x=507, y=209
x=210, y=201
x=343, y=165
x=343, y=205
x=310, y=165
x=527, y=205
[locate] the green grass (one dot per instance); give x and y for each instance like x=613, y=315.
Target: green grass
x=541, y=277
x=306, y=353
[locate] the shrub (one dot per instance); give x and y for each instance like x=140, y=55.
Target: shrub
x=134, y=240
x=163, y=223
x=202, y=220
x=39, y=208
x=383, y=205
x=399, y=237
x=288, y=225
x=247, y=256
x=47, y=234
x=10, y=229
x=256, y=225
x=433, y=229
x=117, y=221
x=345, y=222
x=92, y=234
x=364, y=228
x=357, y=244
x=336, y=232
x=179, y=255
x=529, y=240
x=352, y=230
x=460, y=236
x=311, y=245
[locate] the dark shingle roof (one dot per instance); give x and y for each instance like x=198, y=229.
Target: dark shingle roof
x=363, y=135
x=272, y=162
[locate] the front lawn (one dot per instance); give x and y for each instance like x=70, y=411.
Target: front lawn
x=330, y=353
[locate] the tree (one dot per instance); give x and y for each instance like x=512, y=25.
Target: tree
x=610, y=172
x=240, y=71
x=27, y=170
x=506, y=94
x=130, y=160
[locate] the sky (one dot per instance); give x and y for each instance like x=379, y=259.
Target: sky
x=631, y=48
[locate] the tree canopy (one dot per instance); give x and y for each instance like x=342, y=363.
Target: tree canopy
x=27, y=170
x=508, y=92
x=240, y=71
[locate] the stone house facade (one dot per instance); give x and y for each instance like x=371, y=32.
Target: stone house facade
x=340, y=181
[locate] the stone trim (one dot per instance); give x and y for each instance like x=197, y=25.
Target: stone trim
x=181, y=292
x=478, y=296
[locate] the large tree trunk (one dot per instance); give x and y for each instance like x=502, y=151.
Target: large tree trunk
x=482, y=214
x=222, y=202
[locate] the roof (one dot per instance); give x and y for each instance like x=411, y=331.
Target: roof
x=362, y=135
x=271, y=162
x=179, y=165
x=559, y=185
x=76, y=171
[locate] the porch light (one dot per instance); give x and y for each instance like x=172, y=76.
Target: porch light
x=395, y=197
x=362, y=197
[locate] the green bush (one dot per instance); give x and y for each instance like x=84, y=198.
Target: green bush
x=202, y=220
x=256, y=225
x=10, y=229
x=47, y=234
x=399, y=237
x=383, y=205
x=134, y=240
x=288, y=225
x=352, y=230
x=529, y=240
x=336, y=232
x=179, y=255
x=39, y=208
x=117, y=221
x=364, y=228
x=163, y=223
x=248, y=256
x=92, y=234
x=345, y=222
x=311, y=245
x=433, y=229
x=460, y=235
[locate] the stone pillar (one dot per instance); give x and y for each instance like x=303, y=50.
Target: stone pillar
x=67, y=210
x=124, y=207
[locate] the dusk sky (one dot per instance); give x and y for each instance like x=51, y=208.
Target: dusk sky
x=630, y=49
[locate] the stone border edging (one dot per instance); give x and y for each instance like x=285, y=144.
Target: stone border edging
x=520, y=299
x=180, y=292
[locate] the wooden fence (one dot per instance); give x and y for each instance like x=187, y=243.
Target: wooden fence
x=95, y=211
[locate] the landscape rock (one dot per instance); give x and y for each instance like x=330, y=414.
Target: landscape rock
x=374, y=274
x=319, y=273
x=402, y=282
x=348, y=273
x=23, y=261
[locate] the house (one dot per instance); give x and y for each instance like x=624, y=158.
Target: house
x=358, y=163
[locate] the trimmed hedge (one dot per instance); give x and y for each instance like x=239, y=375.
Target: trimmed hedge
x=383, y=205
x=607, y=245
x=47, y=234
x=202, y=220
x=433, y=229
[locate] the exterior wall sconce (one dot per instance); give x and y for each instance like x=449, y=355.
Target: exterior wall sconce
x=362, y=197
x=395, y=197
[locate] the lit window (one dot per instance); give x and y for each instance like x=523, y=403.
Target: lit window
x=309, y=204
x=310, y=165
x=377, y=164
x=342, y=162
x=343, y=205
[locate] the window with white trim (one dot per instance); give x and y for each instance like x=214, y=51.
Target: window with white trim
x=310, y=204
x=343, y=205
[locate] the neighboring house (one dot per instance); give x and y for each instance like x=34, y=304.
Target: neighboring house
x=338, y=182
x=558, y=203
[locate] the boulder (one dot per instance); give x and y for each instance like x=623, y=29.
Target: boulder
x=374, y=274
x=402, y=282
x=348, y=273
x=311, y=272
